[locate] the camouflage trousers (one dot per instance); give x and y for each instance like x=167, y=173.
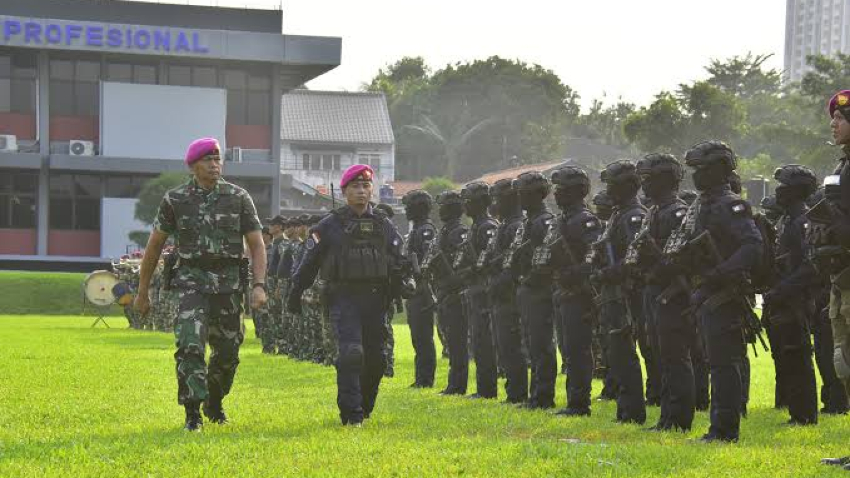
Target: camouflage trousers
x=389, y=344
x=202, y=318
x=839, y=316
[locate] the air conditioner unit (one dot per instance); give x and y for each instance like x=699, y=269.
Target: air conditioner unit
x=8, y=143
x=81, y=148
x=236, y=154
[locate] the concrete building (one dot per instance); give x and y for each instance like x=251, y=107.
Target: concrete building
x=814, y=27
x=325, y=132
x=98, y=96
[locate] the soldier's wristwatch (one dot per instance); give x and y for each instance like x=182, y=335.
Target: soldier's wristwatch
x=260, y=284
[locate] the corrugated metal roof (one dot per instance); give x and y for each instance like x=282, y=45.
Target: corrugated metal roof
x=335, y=117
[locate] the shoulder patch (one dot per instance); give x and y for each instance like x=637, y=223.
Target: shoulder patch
x=427, y=233
x=548, y=221
x=591, y=223
x=739, y=207
x=636, y=218
x=490, y=232
x=680, y=213
x=312, y=241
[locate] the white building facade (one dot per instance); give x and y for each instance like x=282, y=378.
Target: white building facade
x=325, y=132
x=814, y=27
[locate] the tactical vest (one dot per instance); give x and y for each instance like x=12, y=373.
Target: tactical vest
x=362, y=256
x=209, y=226
x=542, y=260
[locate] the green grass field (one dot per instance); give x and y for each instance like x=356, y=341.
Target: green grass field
x=45, y=293
x=79, y=402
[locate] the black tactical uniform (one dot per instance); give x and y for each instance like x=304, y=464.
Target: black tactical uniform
x=621, y=302
x=564, y=251
x=420, y=307
x=534, y=296
x=789, y=305
x=604, y=208
x=502, y=288
x=448, y=285
x=672, y=332
x=476, y=201
x=729, y=252
x=832, y=392
x=360, y=257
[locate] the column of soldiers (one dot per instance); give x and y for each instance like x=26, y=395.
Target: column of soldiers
x=671, y=278
x=163, y=299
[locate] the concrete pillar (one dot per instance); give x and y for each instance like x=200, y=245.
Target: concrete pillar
x=43, y=200
x=277, y=92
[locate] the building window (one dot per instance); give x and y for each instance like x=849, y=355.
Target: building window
x=124, y=186
x=17, y=82
x=74, y=87
x=260, y=192
x=75, y=202
x=321, y=162
x=130, y=73
x=371, y=159
x=18, y=192
x=248, y=97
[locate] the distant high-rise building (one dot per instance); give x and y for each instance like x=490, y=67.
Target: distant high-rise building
x=814, y=27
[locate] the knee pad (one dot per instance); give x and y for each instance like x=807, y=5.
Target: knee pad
x=351, y=356
x=842, y=365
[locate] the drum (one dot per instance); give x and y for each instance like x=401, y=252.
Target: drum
x=98, y=288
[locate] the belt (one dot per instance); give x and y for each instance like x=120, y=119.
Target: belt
x=210, y=262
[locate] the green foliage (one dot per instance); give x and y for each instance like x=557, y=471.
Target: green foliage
x=469, y=118
x=605, y=124
x=72, y=406
x=760, y=166
x=436, y=185
x=140, y=238
x=44, y=293
x=152, y=193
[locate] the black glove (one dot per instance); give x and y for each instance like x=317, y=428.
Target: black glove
x=293, y=302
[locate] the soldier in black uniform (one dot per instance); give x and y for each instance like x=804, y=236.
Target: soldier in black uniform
x=476, y=201
x=534, y=296
x=603, y=208
x=789, y=305
x=507, y=327
x=420, y=307
x=832, y=392
x=566, y=247
x=721, y=298
x=449, y=287
x=359, y=252
x=672, y=332
x=621, y=302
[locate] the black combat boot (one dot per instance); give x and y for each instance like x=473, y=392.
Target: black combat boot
x=194, y=422
x=214, y=411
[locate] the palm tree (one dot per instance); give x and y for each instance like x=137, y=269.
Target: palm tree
x=453, y=140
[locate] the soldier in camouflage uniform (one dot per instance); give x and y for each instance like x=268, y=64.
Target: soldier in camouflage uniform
x=211, y=220
x=285, y=325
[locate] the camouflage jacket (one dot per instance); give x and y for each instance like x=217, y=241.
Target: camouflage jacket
x=208, y=226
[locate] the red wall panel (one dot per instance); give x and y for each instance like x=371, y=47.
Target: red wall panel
x=20, y=125
x=65, y=128
x=18, y=241
x=249, y=136
x=73, y=243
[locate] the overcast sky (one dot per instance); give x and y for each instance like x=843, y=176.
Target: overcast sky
x=618, y=48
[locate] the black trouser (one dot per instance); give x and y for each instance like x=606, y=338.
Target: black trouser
x=576, y=314
x=648, y=350
x=624, y=364
x=420, y=318
x=722, y=329
x=535, y=303
x=673, y=335
x=832, y=392
x=794, y=368
x=778, y=376
x=699, y=361
x=480, y=317
x=559, y=335
x=357, y=315
x=508, y=332
x=453, y=317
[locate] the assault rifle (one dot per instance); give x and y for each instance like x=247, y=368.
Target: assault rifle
x=736, y=292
